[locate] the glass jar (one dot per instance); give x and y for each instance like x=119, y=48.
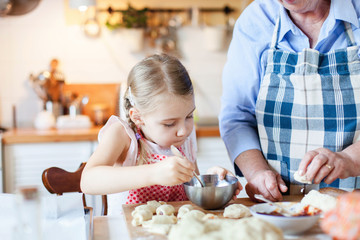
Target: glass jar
x=28, y=207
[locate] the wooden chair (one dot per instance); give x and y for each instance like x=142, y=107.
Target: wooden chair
x=58, y=181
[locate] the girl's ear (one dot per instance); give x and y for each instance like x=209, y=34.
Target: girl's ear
x=135, y=116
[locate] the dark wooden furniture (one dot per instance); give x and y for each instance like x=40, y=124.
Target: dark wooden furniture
x=58, y=181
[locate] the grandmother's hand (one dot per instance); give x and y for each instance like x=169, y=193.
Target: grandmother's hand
x=222, y=172
x=324, y=164
x=267, y=183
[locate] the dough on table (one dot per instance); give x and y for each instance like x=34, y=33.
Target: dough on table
x=143, y=207
x=244, y=229
x=319, y=200
x=197, y=214
x=161, y=219
x=159, y=228
x=140, y=216
x=301, y=179
x=160, y=224
x=154, y=205
x=184, y=209
x=209, y=216
x=165, y=209
x=237, y=211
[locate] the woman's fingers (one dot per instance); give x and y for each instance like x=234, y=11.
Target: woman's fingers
x=273, y=189
x=309, y=156
x=281, y=183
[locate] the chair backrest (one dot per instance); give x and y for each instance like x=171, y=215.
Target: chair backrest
x=58, y=181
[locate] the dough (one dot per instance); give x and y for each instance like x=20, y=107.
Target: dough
x=240, y=229
x=165, y=209
x=319, y=200
x=237, y=211
x=154, y=205
x=160, y=224
x=184, y=209
x=159, y=228
x=197, y=214
x=209, y=216
x=140, y=216
x=143, y=207
x=162, y=219
x=301, y=179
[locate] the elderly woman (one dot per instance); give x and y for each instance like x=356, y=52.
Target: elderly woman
x=291, y=96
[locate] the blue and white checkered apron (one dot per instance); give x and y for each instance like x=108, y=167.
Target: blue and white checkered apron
x=309, y=100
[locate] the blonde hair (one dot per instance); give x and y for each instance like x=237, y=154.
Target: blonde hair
x=154, y=75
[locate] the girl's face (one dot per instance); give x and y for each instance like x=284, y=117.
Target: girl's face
x=171, y=122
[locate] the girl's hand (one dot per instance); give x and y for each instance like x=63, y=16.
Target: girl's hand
x=173, y=171
x=322, y=164
x=267, y=183
x=222, y=172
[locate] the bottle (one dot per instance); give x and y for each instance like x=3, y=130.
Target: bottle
x=28, y=207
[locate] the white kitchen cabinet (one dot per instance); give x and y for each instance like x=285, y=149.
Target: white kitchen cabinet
x=212, y=152
x=25, y=162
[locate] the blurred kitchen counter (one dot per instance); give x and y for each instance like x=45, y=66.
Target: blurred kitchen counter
x=31, y=135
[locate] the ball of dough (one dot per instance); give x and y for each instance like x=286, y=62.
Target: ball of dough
x=237, y=211
x=197, y=214
x=143, y=207
x=165, y=209
x=154, y=205
x=140, y=216
x=184, y=209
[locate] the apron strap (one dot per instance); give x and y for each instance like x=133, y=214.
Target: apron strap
x=275, y=35
x=349, y=34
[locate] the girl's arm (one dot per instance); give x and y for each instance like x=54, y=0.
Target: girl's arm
x=100, y=176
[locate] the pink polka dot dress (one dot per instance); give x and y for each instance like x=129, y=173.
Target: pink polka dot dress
x=156, y=192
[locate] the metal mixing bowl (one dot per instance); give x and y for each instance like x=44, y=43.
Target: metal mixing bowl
x=216, y=193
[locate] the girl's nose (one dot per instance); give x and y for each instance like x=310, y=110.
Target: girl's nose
x=181, y=131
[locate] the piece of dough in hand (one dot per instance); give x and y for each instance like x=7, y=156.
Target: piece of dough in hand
x=237, y=211
x=301, y=179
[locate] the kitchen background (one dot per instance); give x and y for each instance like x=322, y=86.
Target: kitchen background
x=93, y=63
x=53, y=30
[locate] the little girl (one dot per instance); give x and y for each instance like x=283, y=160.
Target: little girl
x=133, y=158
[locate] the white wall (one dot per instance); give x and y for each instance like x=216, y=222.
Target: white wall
x=29, y=42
